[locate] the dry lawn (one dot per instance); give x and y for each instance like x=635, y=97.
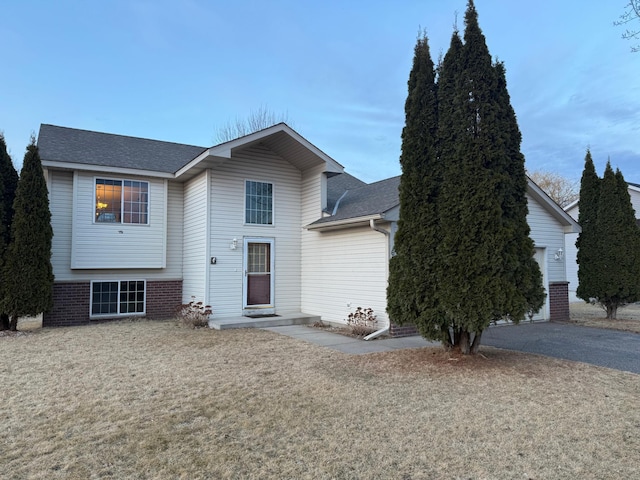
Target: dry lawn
x=147, y=400
x=588, y=315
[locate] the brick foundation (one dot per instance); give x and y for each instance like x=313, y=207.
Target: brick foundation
x=404, y=331
x=163, y=298
x=70, y=305
x=559, y=301
x=71, y=302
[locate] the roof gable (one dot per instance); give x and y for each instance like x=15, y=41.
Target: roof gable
x=280, y=138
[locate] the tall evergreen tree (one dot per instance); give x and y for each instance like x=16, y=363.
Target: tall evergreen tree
x=617, y=262
x=28, y=259
x=587, y=242
x=8, y=185
x=525, y=271
x=410, y=298
x=486, y=250
x=480, y=266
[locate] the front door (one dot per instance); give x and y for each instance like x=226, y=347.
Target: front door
x=258, y=276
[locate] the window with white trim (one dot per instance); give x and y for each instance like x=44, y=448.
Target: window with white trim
x=121, y=201
x=126, y=297
x=258, y=203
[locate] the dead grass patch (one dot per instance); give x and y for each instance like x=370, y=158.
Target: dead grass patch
x=151, y=400
x=589, y=315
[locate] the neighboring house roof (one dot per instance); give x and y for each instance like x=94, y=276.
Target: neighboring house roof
x=381, y=200
x=71, y=148
x=74, y=146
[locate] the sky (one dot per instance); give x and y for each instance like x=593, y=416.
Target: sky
x=179, y=70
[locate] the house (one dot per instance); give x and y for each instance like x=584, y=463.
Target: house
x=264, y=224
x=570, y=240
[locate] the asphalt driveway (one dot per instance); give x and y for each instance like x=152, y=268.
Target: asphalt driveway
x=606, y=348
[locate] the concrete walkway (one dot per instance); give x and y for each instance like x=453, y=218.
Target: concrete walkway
x=606, y=348
x=350, y=345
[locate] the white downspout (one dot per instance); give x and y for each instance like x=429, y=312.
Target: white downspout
x=383, y=330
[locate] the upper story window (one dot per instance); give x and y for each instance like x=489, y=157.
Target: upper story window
x=122, y=201
x=258, y=203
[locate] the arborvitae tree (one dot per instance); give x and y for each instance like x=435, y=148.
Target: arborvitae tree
x=8, y=185
x=617, y=262
x=525, y=271
x=28, y=259
x=482, y=267
x=410, y=297
x=587, y=242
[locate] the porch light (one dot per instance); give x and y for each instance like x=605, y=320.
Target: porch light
x=559, y=255
x=234, y=244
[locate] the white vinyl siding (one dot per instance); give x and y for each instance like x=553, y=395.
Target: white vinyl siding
x=347, y=269
x=227, y=221
x=63, y=211
x=195, y=261
x=547, y=232
x=61, y=206
x=117, y=245
x=548, y=236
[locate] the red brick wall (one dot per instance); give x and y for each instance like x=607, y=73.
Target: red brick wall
x=163, y=298
x=559, y=301
x=404, y=331
x=70, y=305
x=71, y=302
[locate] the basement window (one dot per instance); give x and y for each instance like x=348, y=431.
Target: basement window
x=125, y=297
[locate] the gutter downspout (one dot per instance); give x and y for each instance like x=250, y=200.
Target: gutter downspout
x=377, y=333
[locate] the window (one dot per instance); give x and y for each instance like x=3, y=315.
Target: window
x=258, y=203
x=118, y=298
x=122, y=201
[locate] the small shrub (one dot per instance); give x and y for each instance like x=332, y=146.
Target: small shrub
x=194, y=314
x=362, y=322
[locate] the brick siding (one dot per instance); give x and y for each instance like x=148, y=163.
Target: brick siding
x=70, y=305
x=404, y=331
x=559, y=301
x=163, y=298
x=71, y=302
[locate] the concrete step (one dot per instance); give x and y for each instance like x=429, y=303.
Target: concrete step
x=249, y=322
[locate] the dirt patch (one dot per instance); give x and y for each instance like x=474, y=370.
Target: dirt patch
x=344, y=330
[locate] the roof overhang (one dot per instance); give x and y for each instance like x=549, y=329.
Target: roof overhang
x=324, y=226
x=567, y=222
x=280, y=138
x=57, y=165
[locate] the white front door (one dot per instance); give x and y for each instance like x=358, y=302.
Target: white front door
x=258, y=282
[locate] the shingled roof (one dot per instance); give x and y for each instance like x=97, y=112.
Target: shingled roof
x=361, y=201
x=71, y=145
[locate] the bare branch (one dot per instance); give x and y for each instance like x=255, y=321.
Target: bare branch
x=562, y=190
x=257, y=120
x=632, y=13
